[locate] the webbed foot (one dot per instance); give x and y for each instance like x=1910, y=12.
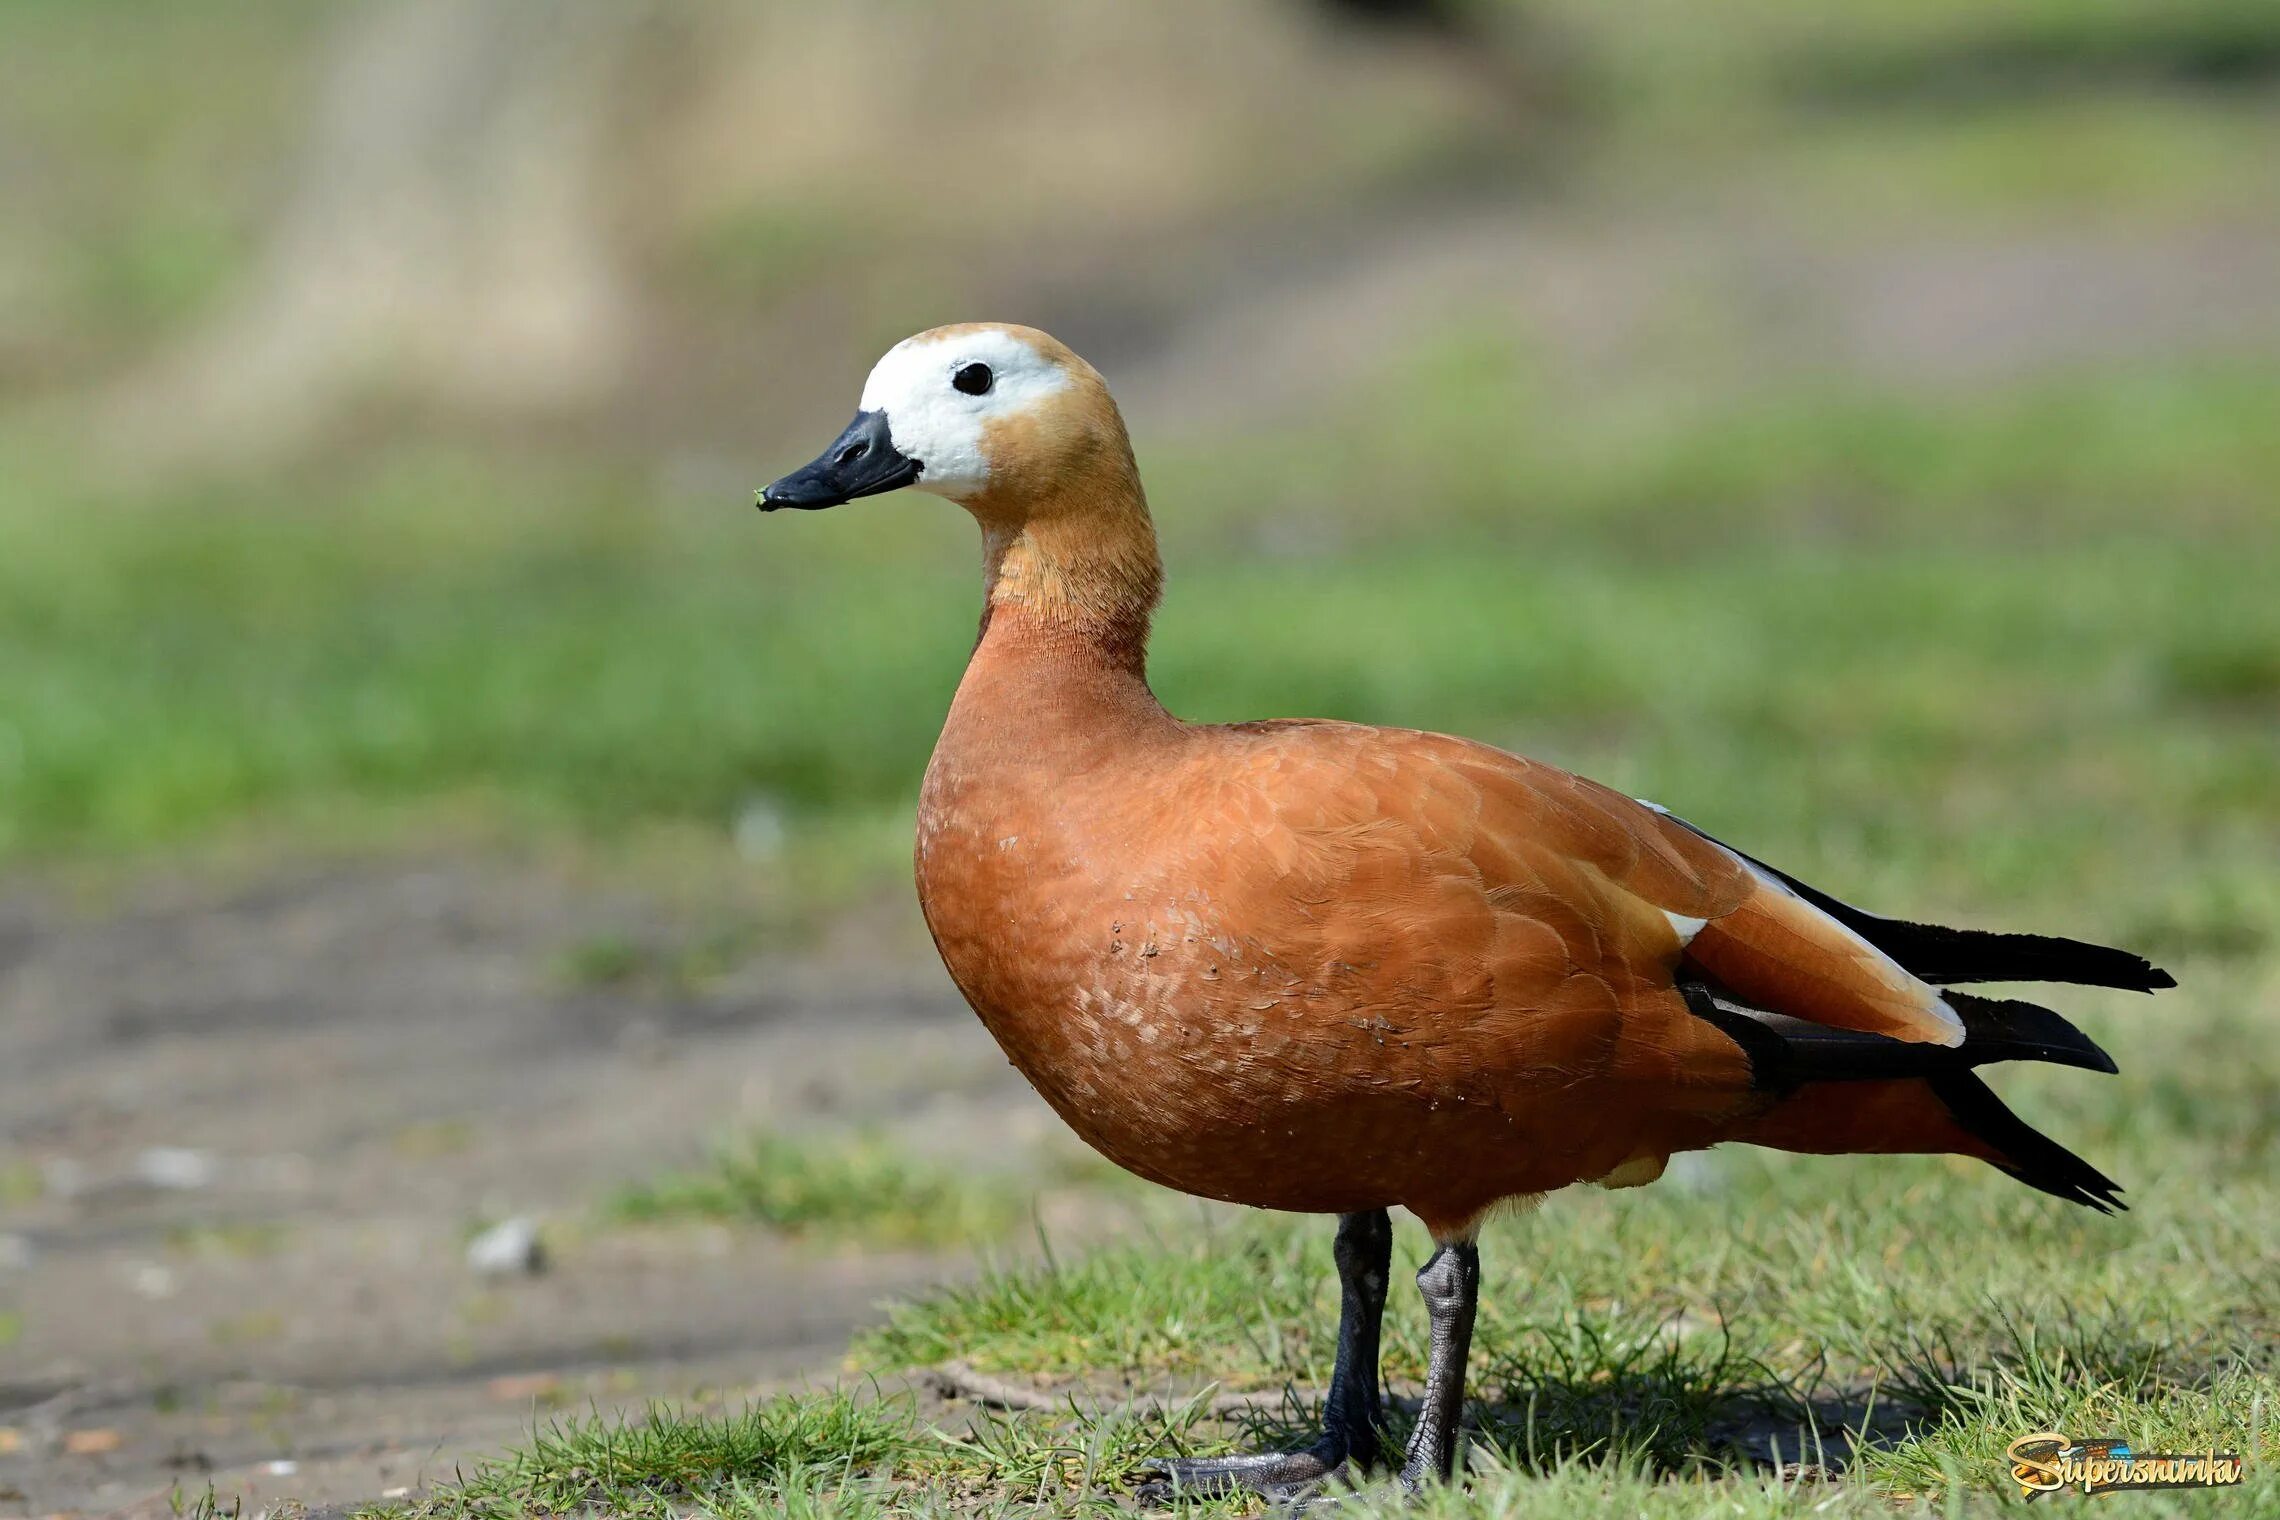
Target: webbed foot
x=1352, y=1421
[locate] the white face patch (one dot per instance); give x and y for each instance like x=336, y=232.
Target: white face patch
x=931, y=420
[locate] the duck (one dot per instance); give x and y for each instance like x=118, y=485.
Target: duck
x=1324, y=967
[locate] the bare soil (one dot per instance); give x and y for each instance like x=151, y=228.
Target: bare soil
x=250, y=1126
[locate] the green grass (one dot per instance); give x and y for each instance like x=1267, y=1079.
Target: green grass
x=835, y=1453
x=1976, y=587
x=1587, y=1408
x=860, y=1188
x=787, y=1455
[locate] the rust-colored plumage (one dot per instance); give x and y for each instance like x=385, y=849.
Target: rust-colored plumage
x=1320, y=966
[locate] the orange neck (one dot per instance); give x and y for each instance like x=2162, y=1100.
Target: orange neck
x=1078, y=567
x=1072, y=580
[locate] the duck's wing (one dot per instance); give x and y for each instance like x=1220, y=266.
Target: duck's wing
x=1945, y=957
x=1469, y=878
x=1731, y=924
x=1859, y=1052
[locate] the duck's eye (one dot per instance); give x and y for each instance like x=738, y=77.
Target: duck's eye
x=974, y=379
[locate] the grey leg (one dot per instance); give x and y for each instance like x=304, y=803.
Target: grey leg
x=1352, y=1419
x=1450, y=1282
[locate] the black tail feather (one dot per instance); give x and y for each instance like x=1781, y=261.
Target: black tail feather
x=1786, y=1051
x=1945, y=957
x=2025, y=1152
x=2002, y=1029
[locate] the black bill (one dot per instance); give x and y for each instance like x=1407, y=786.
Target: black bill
x=861, y=462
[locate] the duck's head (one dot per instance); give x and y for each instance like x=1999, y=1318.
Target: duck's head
x=1005, y=420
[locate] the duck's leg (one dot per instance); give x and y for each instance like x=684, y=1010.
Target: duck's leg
x=1353, y=1415
x=1450, y=1283
x=1352, y=1418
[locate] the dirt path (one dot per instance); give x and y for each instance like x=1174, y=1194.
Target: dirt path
x=248, y=1130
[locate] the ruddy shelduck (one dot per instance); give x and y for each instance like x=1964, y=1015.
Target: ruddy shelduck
x=1318, y=966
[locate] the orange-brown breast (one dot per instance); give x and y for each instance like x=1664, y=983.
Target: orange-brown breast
x=1313, y=965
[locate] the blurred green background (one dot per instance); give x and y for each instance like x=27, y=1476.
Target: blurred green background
x=1853, y=426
